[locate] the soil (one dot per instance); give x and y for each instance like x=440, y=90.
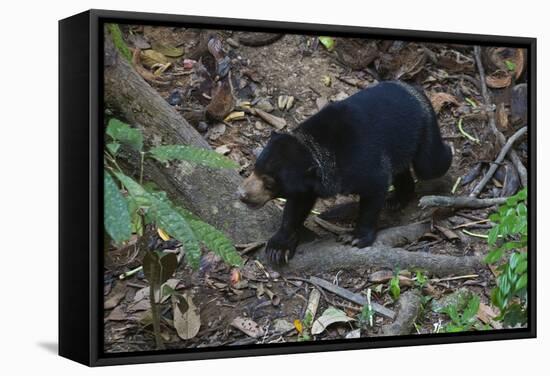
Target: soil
x=300, y=66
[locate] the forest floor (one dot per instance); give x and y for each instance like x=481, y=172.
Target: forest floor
x=260, y=304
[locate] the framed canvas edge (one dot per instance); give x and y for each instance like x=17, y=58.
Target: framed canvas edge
x=98, y=358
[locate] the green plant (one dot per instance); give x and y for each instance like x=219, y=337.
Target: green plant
x=467, y=320
x=126, y=214
x=395, y=289
x=366, y=318
x=420, y=279
x=508, y=238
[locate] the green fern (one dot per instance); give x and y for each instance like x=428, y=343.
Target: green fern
x=200, y=156
x=122, y=132
x=213, y=239
x=167, y=218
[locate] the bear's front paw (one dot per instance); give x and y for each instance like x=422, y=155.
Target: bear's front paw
x=280, y=248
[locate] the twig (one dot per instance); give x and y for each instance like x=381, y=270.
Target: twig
x=522, y=171
x=249, y=247
x=338, y=230
x=460, y=202
x=352, y=297
x=481, y=236
x=465, y=134
x=471, y=224
x=130, y=273
x=468, y=276
x=507, y=146
x=453, y=191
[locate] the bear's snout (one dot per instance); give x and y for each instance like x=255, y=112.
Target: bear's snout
x=253, y=192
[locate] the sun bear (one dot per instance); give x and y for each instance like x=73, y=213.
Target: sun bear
x=360, y=145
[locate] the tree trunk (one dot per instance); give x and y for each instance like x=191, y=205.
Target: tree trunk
x=207, y=192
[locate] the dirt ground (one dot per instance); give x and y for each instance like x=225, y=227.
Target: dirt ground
x=303, y=68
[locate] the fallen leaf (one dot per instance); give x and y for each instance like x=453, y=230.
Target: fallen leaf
x=188, y=323
x=163, y=235
x=330, y=316
x=223, y=149
x=167, y=50
x=354, y=334
x=277, y=122
x=499, y=79
x=236, y=115
x=282, y=326
x=248, y=327
x=328, y=42
x=298, y=326
x=487, y=315
x=117, y=314
x=115, y=296
x=144, y=292
x=152, y=57
x=440, y=99
x=502, y=116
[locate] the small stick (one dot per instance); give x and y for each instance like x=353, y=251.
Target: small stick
x=522, y=171
x=453, y=191
x=471, y=224
x=250, y=247
x=482, y=236
x=479, y=187
x=338, y=230
x=351, y=296
x=468, y=276
x=465, y=134
x=130, y=273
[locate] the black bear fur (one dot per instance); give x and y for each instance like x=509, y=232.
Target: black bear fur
x=360, y=145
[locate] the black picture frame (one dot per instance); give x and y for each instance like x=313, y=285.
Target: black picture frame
x=80, y=187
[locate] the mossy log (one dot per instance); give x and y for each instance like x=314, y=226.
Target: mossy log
x=207, y=192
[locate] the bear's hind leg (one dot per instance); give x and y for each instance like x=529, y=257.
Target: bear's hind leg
x=403, y=184
x=370, y=206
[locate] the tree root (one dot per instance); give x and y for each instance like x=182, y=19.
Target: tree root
x=460, y=202
x=326, y=255
x=408, y=309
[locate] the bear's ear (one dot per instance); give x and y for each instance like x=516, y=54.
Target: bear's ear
x=275, y=133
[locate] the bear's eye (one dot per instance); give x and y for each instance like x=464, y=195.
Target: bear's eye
x=269, y=183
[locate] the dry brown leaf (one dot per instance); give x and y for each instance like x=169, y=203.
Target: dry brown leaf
x=152, y=57
x=117, y=314
x=187, y=324
x=499, y=80
x=487, y=315
x=502, y=116
x=116, y=295
x=248, y=327
x=440, y=99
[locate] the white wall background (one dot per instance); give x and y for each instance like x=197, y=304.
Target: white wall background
x=28, y=157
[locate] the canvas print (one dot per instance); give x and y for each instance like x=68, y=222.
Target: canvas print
x=272, y=188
